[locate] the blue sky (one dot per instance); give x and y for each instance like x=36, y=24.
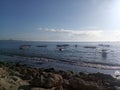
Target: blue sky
x=60, y=20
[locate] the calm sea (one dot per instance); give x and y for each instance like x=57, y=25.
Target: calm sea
x=63, y=54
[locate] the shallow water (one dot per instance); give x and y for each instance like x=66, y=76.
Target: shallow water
x=71, y=56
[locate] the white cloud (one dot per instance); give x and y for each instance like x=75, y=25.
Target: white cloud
x=76, y=32
x=82, y=35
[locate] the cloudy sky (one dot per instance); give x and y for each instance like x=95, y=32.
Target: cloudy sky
x=60, y=20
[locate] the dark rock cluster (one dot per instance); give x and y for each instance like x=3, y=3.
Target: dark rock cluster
x=51, y=79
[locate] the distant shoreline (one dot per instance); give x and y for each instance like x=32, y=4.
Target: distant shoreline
x=63, y=41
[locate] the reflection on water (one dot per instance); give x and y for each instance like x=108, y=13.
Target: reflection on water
x=105, y=55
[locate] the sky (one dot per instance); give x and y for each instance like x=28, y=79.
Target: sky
x=60, y=20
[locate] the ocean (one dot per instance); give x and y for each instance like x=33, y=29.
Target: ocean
x=77, y=56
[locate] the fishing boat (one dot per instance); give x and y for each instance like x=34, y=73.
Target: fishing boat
x=41, y=46
x=104, y=53
x=92, y=47
x=23, y=47
x=64, y=45
x=61, y=49
x=104, y=45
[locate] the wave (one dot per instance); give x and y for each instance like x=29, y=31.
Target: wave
x=41, y=59
x=97, y=65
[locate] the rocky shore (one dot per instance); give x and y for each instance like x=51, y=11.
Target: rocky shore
x=14, y=76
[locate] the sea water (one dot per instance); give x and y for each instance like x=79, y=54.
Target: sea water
x=74, y=56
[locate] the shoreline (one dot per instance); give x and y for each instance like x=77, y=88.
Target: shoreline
x=53, y=79
x=81, y=66
x=40, y=59
x=66, y=65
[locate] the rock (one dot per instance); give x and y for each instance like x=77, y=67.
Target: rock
x=50, y=70
x=47, y=80
x=36, y=88
x=53, y=80
x=116, y=83
x=58, y=88
x=66, y=75
x=38, y=82
x=102, y=76
x=82, y=73
x=45, y=74
x=65, y=83
x=3, y=73
x=80, y=84
x=58, y=79
x=22, y=76
x=15, y=78
x=2, y=88
x=117, y=88
x=50, y=82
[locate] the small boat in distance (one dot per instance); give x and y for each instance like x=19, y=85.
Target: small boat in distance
x=76, y=45
x=41, y=46
x=64, y=45
x=23, y=47
x=104, y=53
x=92, y=47
x=104, y=45
x=61, y=49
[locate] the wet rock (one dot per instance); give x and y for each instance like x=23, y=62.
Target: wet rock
x=66, y=75
x=50, y=70
x=80, y=84
x=116, y=83
x=102, y=76
x=83, y=74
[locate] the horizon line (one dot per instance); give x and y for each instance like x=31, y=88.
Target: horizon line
x=52, y=40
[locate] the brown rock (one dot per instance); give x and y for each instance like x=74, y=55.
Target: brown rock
x=80, y=84
x=58, y=88
x=65, y=83
x=47, y=80
x=53, y=80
